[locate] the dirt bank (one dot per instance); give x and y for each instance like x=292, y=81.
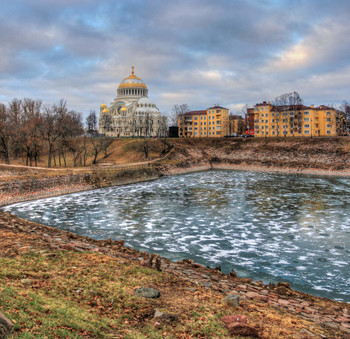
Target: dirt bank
x=327, y=156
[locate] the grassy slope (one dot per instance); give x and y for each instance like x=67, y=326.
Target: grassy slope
x=67, y=294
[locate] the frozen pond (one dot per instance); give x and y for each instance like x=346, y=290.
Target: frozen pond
x=267, y=226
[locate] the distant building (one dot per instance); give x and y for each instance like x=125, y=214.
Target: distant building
x=132, y=113
x=297, y=120
x=237, y=125
x=212, y=122
x=249, y=121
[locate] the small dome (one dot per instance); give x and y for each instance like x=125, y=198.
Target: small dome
x=132, y=81
x=103, y=106
x=105, y=110
x=146, y=101
x=123, y=109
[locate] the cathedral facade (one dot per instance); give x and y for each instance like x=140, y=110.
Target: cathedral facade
x=132, y=113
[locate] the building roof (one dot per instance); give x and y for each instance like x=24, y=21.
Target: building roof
x=215, y=107
x=194, y=113
x=264, y=103
x=323, y=107
x=234, y=117
x=289, y=108
x=132, y=81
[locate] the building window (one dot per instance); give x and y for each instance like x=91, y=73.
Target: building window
x=329, y=126
x=328, y=113
x=306, y=126
x=306, y=113
x=307, y=132
x=306, y=119
x=328, y=119
x=328, y=132
x=266, y=121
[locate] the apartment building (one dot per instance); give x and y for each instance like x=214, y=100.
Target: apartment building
x=237, y=125
x=212, y=122
x=297, y=120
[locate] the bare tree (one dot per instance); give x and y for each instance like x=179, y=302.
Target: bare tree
x=30, y=141
x=99, y=145
x=106, y=123
x=145, y=148
x=288, y=103
x=91, y=122
x=176, y=111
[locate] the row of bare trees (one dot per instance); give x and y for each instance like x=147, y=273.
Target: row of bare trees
x=28, y=129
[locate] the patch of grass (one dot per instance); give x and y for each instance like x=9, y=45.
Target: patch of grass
x=75, y=295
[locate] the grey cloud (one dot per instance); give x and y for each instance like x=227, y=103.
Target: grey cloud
x=193, y=50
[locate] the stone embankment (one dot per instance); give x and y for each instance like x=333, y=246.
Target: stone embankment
x=322, y=156
x=30, y=186
x=331, y=315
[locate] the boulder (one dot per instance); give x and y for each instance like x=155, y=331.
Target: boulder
x=237, y=318
x=232, y=300
x=147, y=292
x=165, y=315
x=6, y=326
x=242, y=329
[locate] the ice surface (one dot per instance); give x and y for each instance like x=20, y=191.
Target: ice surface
x=264, y=225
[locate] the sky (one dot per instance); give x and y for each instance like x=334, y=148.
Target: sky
x=195, y=52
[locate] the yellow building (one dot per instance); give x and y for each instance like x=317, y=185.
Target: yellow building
x=237, y=125
x=297, y=120
x=213, y=122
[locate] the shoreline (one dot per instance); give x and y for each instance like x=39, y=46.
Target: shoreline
x=6, y=200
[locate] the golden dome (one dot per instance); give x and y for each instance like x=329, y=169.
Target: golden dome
x=123, y=109
x=103, y=106
x=105, y=110
x=132, y=81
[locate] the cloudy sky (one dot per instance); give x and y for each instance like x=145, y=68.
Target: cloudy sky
x=199, y=52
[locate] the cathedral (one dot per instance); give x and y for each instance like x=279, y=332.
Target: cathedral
x=132, y=113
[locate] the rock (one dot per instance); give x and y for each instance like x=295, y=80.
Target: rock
x=26, y=282
x=283, y=302
x=251, y=295
x=284, y=284
x=233, y=274
x=232, y=300
x=243, y=330
x=23, y=249
x=158, y=264
x=307, y=333
x=6, y=326
x=165, y=315
x=233, y=319
x=263, y=298
x=147, y=292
